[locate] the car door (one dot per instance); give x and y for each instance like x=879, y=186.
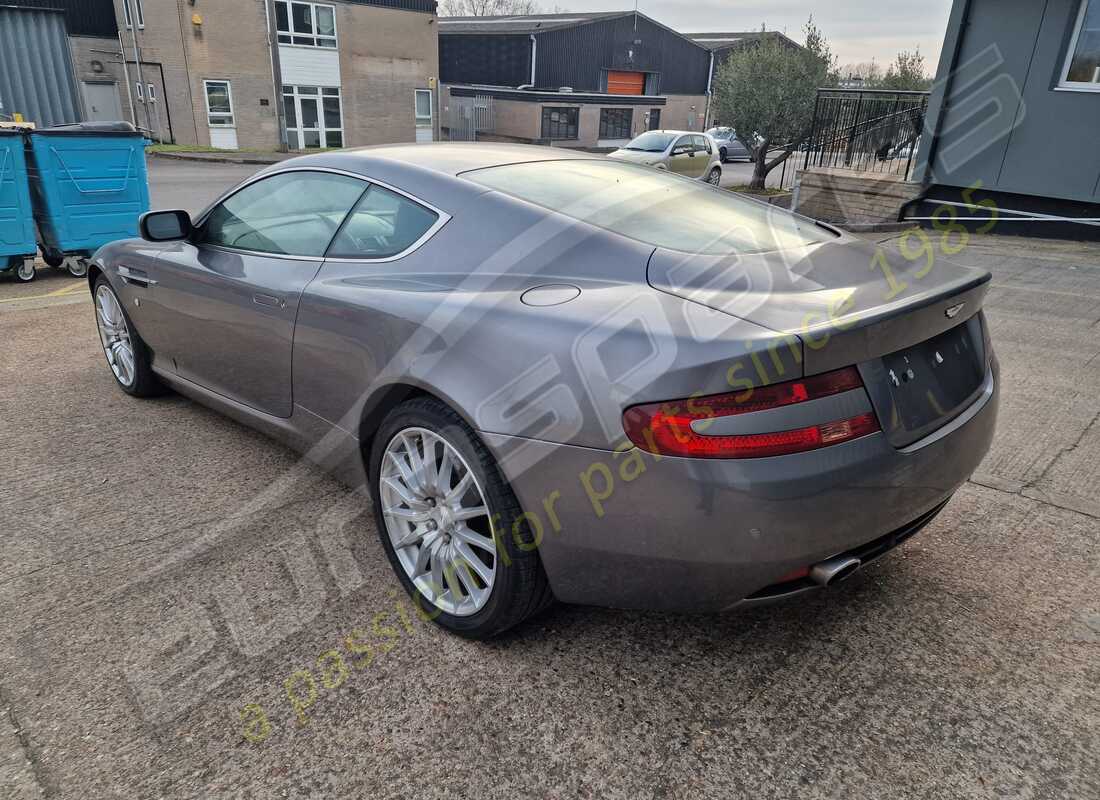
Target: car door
x=703, y=152
x=682, y=157
x=225, y=301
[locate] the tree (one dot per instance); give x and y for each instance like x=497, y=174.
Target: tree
x=766, y=93
x=906, y=73
x=486, y=8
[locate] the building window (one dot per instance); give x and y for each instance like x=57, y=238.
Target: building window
x=307, y=24
x=1082, y=69
x=423, y=107
x=129, y=15
x=654, y=119
x=140, y=93
x=219, y=104
x=313, y=117
x=559, y=123
x=615, y=123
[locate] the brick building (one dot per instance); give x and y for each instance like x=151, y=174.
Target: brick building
x=353, y=72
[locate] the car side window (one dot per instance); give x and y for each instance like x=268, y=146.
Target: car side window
x=383, y=224
x=292, y=213
x=702, y=144
x=683, y=145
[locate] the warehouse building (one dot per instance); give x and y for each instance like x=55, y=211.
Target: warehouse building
x=575, y=79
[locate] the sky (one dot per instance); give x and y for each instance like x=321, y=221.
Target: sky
x=857, y=30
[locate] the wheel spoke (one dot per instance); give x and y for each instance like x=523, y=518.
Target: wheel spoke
x=462, y=514
x=408, y=514
x=474, y=538
x=460, y=488
x=469, y=560
x=404, y=468
x=466, y=578
x=403, y=491
x=416, y=463
x=450, y=574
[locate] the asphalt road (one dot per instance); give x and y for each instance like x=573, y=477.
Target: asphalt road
x=174, y=587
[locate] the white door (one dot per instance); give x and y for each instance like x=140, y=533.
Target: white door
x=101, y=102
x=425, y=124
x=219, y=114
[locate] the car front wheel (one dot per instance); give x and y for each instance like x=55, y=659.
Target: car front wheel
x=126, y=353
x=450, y=524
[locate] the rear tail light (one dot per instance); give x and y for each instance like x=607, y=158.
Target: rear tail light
x=665, y=428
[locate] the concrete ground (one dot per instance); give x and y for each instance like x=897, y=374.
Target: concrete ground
x=189, y=612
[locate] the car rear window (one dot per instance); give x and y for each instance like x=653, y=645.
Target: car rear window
x=652, y=206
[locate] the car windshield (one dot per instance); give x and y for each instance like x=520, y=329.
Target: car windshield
x=720, y=133
x=652, y=142
x=653, y=206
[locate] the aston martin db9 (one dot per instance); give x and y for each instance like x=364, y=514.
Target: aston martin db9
x=564, y=376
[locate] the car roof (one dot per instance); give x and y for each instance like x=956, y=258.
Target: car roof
x=448, y=158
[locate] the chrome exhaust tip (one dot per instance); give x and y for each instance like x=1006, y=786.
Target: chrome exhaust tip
x=834, y=570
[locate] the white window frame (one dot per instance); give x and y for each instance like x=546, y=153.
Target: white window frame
x=129, y=17
x=424, y=121
x=152, y=95
x=206, y=99
x=323, y=128
x=140, y=91
x=1065, y=84
x=290, y=33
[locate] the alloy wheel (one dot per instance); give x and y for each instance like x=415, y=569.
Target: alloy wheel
x=438, y=521
x=715, y=177
x=114, y=334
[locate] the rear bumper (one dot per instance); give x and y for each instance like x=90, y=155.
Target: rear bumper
x=631, y=530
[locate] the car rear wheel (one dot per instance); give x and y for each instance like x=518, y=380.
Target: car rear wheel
x=450, y=524
x=714, y=177
x=722, y=154
x=126, y=353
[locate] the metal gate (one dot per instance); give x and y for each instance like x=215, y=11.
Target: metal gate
x=469, y=116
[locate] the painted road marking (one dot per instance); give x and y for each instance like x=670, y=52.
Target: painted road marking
x=70, y=289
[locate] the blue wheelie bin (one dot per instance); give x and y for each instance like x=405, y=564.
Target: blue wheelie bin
x=17, y=243
x=89, y=186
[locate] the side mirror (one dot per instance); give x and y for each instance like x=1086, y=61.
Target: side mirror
x=165, y=226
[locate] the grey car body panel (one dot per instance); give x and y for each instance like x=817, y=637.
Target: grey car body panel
x=545, y=386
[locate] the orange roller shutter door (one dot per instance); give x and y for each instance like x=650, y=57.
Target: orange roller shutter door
x=625, y=82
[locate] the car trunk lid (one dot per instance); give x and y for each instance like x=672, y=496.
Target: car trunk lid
x=850, y=303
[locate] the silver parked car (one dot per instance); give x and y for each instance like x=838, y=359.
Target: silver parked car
x=729, y=146
x=567, y=376
x=693, y=155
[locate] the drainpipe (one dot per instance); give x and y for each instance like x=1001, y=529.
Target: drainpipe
x=126, y=77
x=276, y=74
x=710, y=78
x=137, y=59
x=534, y=52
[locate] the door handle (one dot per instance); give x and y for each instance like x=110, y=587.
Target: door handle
x=270, y=300
x=136, y=277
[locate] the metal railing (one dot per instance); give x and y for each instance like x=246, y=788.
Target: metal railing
x=866, y=130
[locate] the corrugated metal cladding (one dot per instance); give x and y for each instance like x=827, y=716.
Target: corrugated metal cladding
x=491, y=60
x=82, y=17
x=36, y=67
x=423, y=6
x=577, y=56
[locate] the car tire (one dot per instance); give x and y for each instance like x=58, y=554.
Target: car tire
x=518, y=588
x=714, y=177
x=127, y=355
x=722, y=155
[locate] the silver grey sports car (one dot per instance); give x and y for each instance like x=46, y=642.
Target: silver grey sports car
x=565, y=376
